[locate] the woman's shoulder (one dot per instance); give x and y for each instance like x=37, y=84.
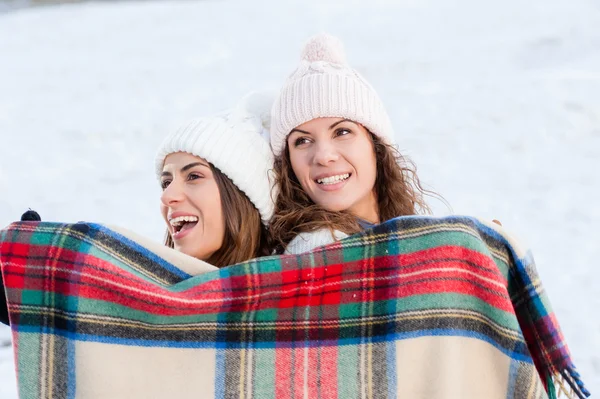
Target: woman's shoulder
x=308, y=241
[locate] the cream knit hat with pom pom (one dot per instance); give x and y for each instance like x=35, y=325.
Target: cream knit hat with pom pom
x=235, y=142
x=324, y=85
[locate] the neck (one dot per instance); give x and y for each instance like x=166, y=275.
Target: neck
x=367, y=209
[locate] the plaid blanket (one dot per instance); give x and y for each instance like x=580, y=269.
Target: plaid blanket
x=416, y=307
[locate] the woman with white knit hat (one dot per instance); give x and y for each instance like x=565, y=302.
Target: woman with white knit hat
x=336, y=168
x=214, y=173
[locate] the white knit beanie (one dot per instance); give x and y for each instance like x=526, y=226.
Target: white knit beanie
x=324, y=85
x=235, y=142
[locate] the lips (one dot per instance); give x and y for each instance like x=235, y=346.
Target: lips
x=332, y=179
x=332, y=182
x=182, y=224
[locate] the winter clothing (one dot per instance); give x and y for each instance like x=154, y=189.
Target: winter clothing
x=308, y=241
x=235, y=142
x=3, y=304
x=324, y=85
x=29, y=215
x=417, y=306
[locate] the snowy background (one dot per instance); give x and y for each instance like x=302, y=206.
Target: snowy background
x=498, y=103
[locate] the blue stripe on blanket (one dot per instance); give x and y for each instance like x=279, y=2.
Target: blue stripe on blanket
x=137, y=247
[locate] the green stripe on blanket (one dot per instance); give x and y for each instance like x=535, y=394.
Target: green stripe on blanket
x=414, y=307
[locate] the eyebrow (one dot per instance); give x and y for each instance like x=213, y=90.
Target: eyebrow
x=193, y=164
x=338, y=122
x=330, y=127
x=186, y=168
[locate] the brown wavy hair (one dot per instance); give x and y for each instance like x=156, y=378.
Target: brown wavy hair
x=398, y=191
x=245, y=235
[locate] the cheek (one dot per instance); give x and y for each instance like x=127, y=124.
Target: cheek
x=373, y=167
x=163, y=212
x=300, y=167
x=214, y=217
x=366, y=165
x=218, y=218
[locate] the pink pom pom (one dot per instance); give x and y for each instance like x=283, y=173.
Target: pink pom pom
x=324, y=47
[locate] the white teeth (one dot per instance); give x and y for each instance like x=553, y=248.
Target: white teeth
x=178, y=221
x=333, y=179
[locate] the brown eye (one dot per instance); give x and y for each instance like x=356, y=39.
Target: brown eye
x=194, y=176
x=165, y=183
x=342, y=132
x=300, y=141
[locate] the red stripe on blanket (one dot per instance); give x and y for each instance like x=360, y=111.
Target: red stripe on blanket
x=440, y=270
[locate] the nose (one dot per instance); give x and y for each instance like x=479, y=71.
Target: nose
x=173, y=194
x=325, y=153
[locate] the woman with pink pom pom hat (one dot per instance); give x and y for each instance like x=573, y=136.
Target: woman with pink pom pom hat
x=336, y=166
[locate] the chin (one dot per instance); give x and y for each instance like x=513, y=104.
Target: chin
x=193, y=254
x=182, y=250
x=335, y=207
x=194, y=251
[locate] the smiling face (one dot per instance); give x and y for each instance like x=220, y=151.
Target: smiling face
x=334, y=162
x=191, y=205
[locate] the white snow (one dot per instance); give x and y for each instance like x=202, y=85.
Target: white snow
x=498, y=103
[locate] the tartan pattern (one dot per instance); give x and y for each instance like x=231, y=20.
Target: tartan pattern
x=322, y=324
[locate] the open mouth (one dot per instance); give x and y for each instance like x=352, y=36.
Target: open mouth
x=183, y=223
x=329, y=180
